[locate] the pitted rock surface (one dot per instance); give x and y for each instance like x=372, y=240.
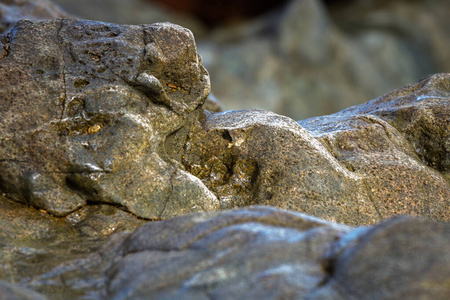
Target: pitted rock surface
x=85, y=108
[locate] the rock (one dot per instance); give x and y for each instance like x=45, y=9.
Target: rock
x=101, y=120
x=10, y=292
x=103, y=128
x=364, y=164
x=263, y=253
x=86, y=107
x=398, y=144
x=403, y=258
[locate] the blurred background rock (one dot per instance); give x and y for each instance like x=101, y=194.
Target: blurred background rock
x=299, y=58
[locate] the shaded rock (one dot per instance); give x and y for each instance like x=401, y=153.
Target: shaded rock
x=85, y=108
x=263, y=253
x=11, y=292
x=403, y=258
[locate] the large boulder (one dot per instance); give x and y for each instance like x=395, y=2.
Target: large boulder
x=86, y=108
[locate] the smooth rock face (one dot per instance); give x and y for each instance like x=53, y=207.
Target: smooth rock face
x=85, y=108
x=262, y=253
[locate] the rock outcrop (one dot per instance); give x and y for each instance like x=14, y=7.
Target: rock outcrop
x=103, y=129
x=259, y=253
x=97, y=113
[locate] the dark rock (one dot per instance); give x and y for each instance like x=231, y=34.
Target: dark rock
x=85, y=108
x=403, y=258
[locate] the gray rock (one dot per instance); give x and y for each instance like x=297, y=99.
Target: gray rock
x=10, y=291
x=263, y=253
x=364, y=164
x=403, y=258
x=86, y=108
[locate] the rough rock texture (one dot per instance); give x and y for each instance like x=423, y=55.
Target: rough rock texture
x=85, y=108
x=97, y=113
x=369, y=162
x=260, y=253
x=103, y=128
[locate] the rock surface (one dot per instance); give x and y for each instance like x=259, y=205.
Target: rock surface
x=367, y=163
x=86, y=107
x=259, y=253
x=98, y=113
x=103, y=128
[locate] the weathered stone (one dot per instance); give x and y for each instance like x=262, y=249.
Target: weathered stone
x=403, y=258
x=262, y=253
x=85, y=108
x=398, y=145
x=10, y=291
x=367, y=163
x=102, y=128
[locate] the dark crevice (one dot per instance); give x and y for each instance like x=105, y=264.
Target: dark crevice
x=169, y=196
x=58, y=37
x=226, y=136
x=329, y=267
